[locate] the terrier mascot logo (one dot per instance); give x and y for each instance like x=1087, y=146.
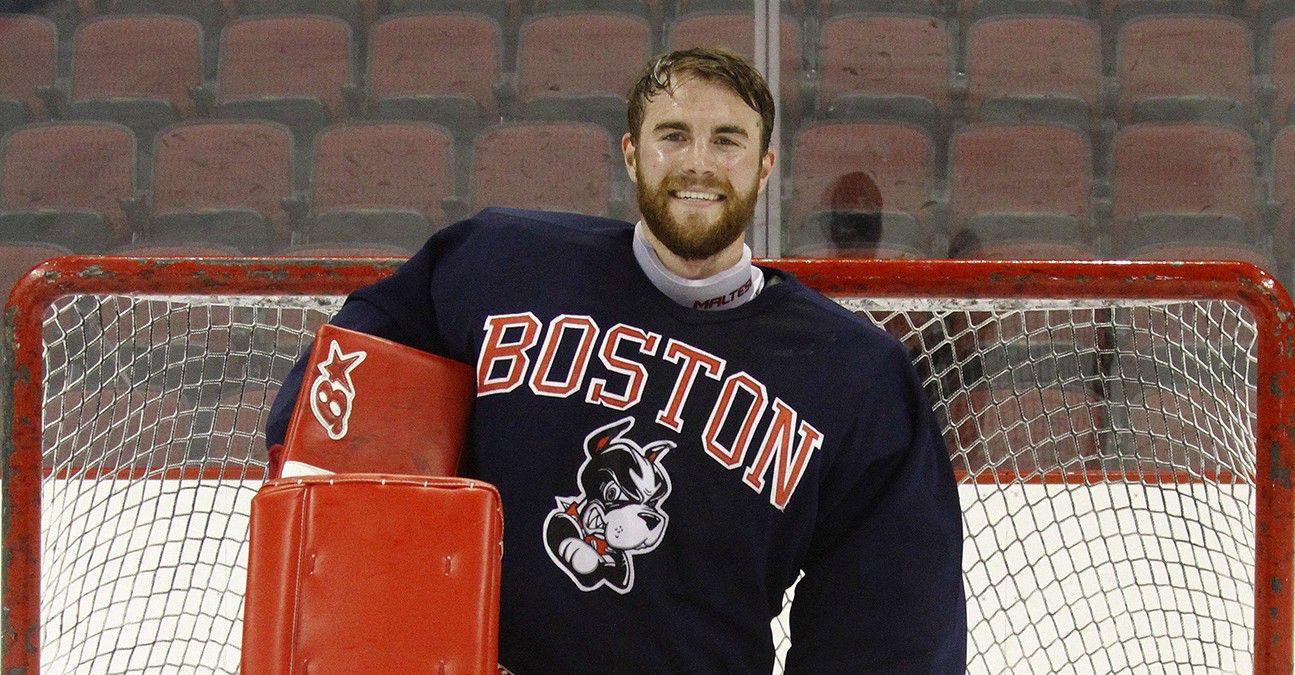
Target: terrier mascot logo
x=333, y=392
x=594, y=536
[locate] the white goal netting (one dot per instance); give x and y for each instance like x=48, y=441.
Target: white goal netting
x=1106, y=452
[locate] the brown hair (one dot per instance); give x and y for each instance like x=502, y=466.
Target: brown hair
x=711, y=64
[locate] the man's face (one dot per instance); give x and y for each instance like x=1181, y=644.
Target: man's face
x=697, y=167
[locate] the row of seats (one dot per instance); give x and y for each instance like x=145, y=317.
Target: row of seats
x=148, y=70
x=237, y=183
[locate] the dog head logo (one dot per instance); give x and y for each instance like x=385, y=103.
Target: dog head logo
x=333, y=392
x=593, y=536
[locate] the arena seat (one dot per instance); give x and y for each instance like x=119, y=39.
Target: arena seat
x=862, y=167
x=1182, y=183
x=62, y=183
x=210, y=15
x=885, y=67
x=1122, y=11
x=380, y=183
x=845, y=233
x=18, y=258
x=290, y=69
x=143, y=424
x=1256, y=252
x=1023, y=247
x=1026, y=182
x=1279, y=57
x=136, y=70
x=974, y=10
x=435, y=67
x=221, y=182
x=1283, y=182
x=195, y=249
x=562, y=166
x=1061, y=425
x=733, y=30
x=503, y=12
x=349, y=11
x=648, y=9
x=345, y=251
x=927, y=7
x=1035, y=67
x=1188, y=67
x=28, y=53
x=579, y=66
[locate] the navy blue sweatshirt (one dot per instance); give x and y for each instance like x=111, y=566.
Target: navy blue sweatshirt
x=667, y=473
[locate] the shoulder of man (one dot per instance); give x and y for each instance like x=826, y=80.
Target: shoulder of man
x=856, y=330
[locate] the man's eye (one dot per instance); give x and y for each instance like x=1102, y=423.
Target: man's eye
x=727, y=141
x=676, y=136
x=611, y=492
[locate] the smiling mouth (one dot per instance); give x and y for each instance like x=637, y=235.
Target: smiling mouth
x=697, y=197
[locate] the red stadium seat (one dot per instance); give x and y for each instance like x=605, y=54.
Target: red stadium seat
x=136, y=70
x=735, y=31
x=222, y=182
x=436, y=67
x=516, y=165
x=885, y=66
x=1177, y=68
x=349, y=11
x=209, y=14
x=1028, y=182
x=1049, y=66
x=16, y=259
x=1280, y=58
x=63, y=184
x=1061, y=426
x=380, y=182
x=1283, y=182
x=346, y=251
x=290, y=69
x=580, y=66
x=1255, y=252
x=1182, y=183
x=27, y=50
x=1120, y=11
x=504, y=12
x=178, y=250
x=883, y=168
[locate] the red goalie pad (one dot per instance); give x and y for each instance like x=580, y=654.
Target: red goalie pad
x=369, y=405
x=373, y=574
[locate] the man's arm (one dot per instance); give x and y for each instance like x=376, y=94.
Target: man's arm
x=882, y=588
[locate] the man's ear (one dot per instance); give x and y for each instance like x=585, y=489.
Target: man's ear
x=627, y=149
x=766, y=167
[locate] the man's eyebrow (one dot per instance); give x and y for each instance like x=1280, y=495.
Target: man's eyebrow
x=721, y=129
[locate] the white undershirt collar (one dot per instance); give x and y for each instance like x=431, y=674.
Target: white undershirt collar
x=730, y=288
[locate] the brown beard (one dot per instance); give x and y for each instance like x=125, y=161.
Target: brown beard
x=695, y=241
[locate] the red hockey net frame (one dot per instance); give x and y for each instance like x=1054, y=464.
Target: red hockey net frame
x=1257, y=292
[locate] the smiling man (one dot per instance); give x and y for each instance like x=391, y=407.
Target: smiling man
x=677, y=434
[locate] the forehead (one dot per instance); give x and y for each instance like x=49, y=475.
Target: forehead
x=701, y=105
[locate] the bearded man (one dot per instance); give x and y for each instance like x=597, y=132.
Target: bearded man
x=679, y=435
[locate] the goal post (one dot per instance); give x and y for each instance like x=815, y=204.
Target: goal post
x=1121, y=434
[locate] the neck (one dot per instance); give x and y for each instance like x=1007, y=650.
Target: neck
x=695, y=269
x=724, y=288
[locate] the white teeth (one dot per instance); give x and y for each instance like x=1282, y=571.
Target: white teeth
x=698, y=195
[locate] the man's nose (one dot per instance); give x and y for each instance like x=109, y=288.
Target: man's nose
x=699, y=159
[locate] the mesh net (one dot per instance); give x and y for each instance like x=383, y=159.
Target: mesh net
x=1105, y=453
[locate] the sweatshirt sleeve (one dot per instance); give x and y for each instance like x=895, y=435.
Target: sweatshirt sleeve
x=399, y=308
x=882, y=587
